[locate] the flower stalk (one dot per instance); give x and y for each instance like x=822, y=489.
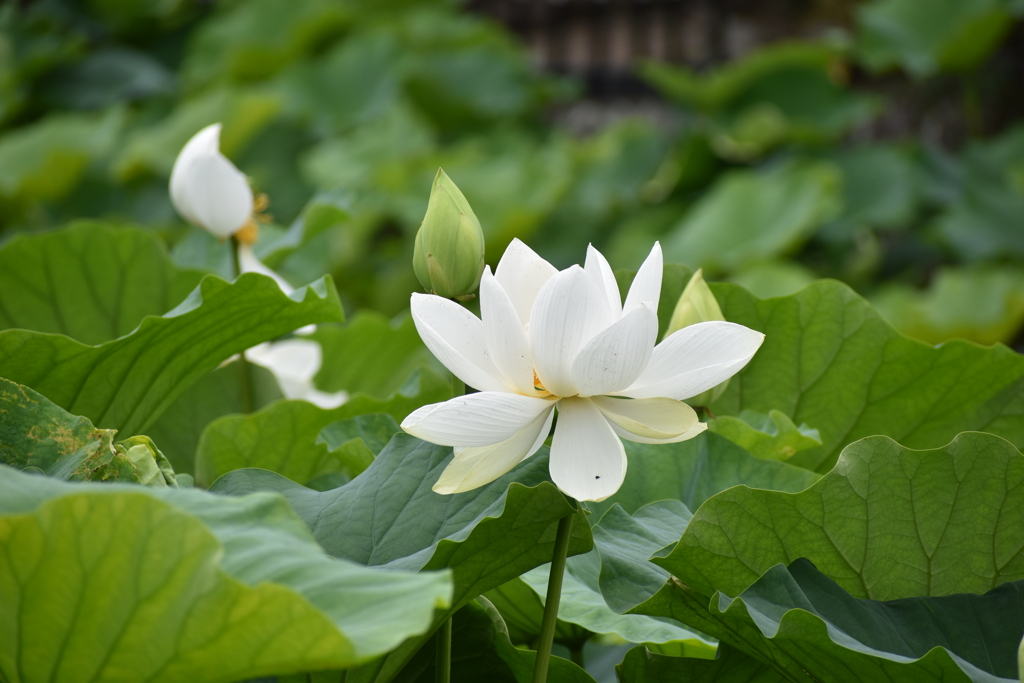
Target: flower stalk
x=245, y=378
x=554, y=594
x=443, y=661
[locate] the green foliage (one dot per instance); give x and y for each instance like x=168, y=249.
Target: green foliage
x=769, y=437
x=126, y=383
x=91, y=281
x=752, y=216
x=181, y=561
x=795, y=622
x=292, y=437
x=38, y=436
x=955, y=35
x=481, y=650
x=829, y=360
x=389, y=517
x=887, y=522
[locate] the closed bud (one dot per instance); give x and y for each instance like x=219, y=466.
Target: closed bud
x=697, y=305
x=449, y=253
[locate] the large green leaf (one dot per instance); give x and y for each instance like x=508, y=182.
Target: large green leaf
x=887, y=522
x=983, y=305
x=285, y=436
x=389, y=517
x=369, y=355
x=802, y=626
x=215, y=395
x=91, y=281
x=923, y=38
x=694, y=470
x=121, y=582
x=37, y=435
x=616, y=576
x=481, y=650
x=829, y=360
x=731, y=666
x=750, y=216
x=769, y=437
x=126, y=383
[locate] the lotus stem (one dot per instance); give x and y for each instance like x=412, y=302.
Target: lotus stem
x=547, y=628
x=244, y=376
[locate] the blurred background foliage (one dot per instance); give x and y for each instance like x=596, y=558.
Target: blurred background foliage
x=770, y=169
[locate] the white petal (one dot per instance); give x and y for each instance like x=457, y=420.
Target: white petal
x=522, y=273
x=215, y=194
x=456, y=338
x=597, y=267
x=507, y=344
x=543, y=434
x=613, y=359
x=477, y=466
x=295, y=359
x=695, y=359
x=570, y=311
x=482, y=419
x=587, y=458
x=658, y=419
x=685, y=436
x=205, y=142
x=647, y=283
x=249, y=263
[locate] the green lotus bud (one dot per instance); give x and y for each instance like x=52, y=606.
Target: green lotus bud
x=697, y=305
x=449, y=252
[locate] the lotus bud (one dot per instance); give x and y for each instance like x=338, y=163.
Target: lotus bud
x=697, y=305
x=208, y=190
x=449, y=253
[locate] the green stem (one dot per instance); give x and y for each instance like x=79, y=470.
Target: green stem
x=547, y=627
x=443, y=661
x=244, y=374
x=576, y=655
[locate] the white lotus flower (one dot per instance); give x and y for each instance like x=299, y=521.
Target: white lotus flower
x=206, y=189
x=548, y=338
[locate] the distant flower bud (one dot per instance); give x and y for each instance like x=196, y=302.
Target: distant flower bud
x=449, y=252
x=206, y=189
x=697, y=305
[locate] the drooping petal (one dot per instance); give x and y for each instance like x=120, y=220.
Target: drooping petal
x=507, y=344
x=613, y=359
x=695, y=359
x=588, y=461
x=685, y=436
x=456, y=338
x=215, y=194
x=570, y=311
x=598, y=268
x=543, y=434
x=294, y=363
x=205, y=142
x=522, y=273
x=249, y=263
x=655, y=420
x=476, y=466
x=647, y=283
x=481, y=419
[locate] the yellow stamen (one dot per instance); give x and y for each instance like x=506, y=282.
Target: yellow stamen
x=250, y=232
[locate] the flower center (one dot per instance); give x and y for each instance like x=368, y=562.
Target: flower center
x=539, y=386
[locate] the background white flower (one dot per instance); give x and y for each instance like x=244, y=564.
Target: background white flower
x=207, y=189
x=548, y=338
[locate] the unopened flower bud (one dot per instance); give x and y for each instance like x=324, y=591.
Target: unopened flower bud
x=697, y=305
x=206, y=189
x=449, y=252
